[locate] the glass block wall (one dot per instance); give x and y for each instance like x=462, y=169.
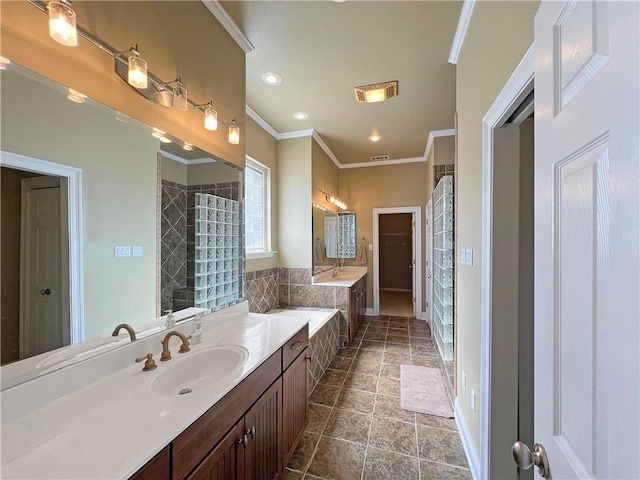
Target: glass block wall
x=346, y=235
x=217, y=252
x=443, y=267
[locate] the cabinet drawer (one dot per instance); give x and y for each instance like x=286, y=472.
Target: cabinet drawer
x=190, y=447
x=295, y=346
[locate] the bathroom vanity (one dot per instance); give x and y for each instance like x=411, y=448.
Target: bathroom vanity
x=244, y=423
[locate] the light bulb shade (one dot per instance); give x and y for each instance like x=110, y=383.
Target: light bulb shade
x=62, y=24
x=137, y=72
x=180, y=99
x=234, y=134
x=210, y=119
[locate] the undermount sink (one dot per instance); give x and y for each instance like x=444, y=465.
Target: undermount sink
x=197, y=370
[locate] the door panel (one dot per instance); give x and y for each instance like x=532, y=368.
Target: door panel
x=587, y=224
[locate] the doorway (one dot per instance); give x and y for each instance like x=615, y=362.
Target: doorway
x=506, y=404
x=397, y=248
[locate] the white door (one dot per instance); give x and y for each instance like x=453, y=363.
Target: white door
x=587, y=255
x=429, y=256
x=42, y=326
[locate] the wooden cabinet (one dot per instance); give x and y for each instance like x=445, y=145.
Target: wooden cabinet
x=252, y=431
x=295, y=387
x=357, y=306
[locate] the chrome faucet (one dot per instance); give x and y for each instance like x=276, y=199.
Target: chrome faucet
x=128, y=328
x=184, y=348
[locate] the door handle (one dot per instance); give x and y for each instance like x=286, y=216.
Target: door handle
x=428, y=275
x=411, y=267
x=525, y=458
x=45, y=291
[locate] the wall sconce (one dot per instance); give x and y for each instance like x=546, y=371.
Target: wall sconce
x=180, y=101
x=234, y=133
x=62, y=23
x=210, y=117
x=137, y=69
x=334, y=201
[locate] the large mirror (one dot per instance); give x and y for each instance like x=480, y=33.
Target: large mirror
x=104, y=221
x=325, y=238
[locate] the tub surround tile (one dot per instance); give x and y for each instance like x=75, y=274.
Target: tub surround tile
x=262, y=290
x=300, y=276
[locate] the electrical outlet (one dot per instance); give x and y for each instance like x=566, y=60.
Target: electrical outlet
x=371, y=247
x=473, y=400
x=137, y=251
x=464, y=381
x=122, y=251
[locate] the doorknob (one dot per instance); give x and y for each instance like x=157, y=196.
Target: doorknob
x=525, y=458
x=411, y=267
x=428, y=275
x=46, y=291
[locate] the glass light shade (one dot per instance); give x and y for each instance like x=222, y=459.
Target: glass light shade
x=180, y=99
x=210, y=119
x=4, y=62
x=234, y=134
x=137, y=72
x=373, y=96
x=62, y=24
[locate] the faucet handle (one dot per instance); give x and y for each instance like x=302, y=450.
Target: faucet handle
x=184, y=348
x=150, y=363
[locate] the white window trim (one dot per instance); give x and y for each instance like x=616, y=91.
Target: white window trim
x=266, y=172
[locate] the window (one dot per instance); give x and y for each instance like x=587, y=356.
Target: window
x=256, y=187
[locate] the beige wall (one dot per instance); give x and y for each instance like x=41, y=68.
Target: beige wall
x=294, y=203
x=175, y=38
x=443, y=150
x=119, y=170
x=325, y=176
x=263, y=148
x=499, y=34
x=364, y=189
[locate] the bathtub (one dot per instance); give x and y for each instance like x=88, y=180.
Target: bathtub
x=324, y=336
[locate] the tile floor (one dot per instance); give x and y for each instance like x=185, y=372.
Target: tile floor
x=357, y=429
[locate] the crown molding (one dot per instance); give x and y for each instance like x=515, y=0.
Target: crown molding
x=461, y=31
x=436, y=133
x=262, y=122
x=326, y=149
x=296, y=134
x=229, y=25
x=383, y=162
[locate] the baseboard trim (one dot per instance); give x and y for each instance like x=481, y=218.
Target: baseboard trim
x=369, y=312
x=467, y=442
x=405, y=290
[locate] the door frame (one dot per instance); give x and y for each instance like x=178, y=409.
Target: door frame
x=73, y=178
x=519, y=85
x=416, y=216
x=428, y=228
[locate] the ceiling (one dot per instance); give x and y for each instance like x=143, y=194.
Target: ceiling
x=322, y=49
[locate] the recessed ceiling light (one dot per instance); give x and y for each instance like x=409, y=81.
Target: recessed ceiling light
x=375, y=137
x=300, y=116
x=271, y=78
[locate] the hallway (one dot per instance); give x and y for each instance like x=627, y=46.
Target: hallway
x=357, y=429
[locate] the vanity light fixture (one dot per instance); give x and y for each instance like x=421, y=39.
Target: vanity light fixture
x=234, y=133
x=4, y=62
x=180, y=101
x=187, y=146
x=161, y=135
x=334, y=201
x=137, y=69
x=375, y=137
x=76, y=96
x=271, y=78
x=210, y=116
x=62, y=23
x=300, y=116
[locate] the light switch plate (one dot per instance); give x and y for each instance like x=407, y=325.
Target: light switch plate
x=473, y=400
x=137, y=251
x=371, y=247
x=122, y=251
x=463, y=256
x=469, y=257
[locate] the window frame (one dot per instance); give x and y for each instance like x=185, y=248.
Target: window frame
x=265, y=251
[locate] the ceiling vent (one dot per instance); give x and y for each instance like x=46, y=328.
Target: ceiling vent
x=379, y=158
x=378, y=92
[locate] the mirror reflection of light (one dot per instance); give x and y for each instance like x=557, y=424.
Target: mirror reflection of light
x=76, y=96
x=4, y=62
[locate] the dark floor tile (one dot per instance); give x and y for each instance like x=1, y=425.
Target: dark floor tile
x=318, y=415
x=425, y=361
x=369, y=355
x=398, y=329
x=396, y=359
x=381, y=464
x=335, y=378
x=291, y=475
x=324, y=395
x=397, y=339
x=357, y=400
x=372, y=345
x=393, y=435
x=347, y=352
x=389, y=386
x=437, y=422
x=304, y=452
x=437, y=471
x=390, y=371
x=340, y=363
x=366, y=367
x=423, y=349
x=348, y=425
x=378, y=336
x=361, y=381
x=337, y=460
x=389, y=407
x=399, y=348
x=441, y=446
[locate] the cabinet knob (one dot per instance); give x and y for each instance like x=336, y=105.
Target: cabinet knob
x=243, y=440
x=252, y=432
x=296, y=345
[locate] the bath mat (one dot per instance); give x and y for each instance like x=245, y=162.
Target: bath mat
x=422, y=390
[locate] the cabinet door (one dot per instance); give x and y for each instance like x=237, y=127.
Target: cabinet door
x=225, y=462
x=295, y=402
x=263, y=452
x=156, y=469
x=352, y=323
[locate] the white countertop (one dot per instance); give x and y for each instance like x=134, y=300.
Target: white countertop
x=346, y=277
x=113, y=426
